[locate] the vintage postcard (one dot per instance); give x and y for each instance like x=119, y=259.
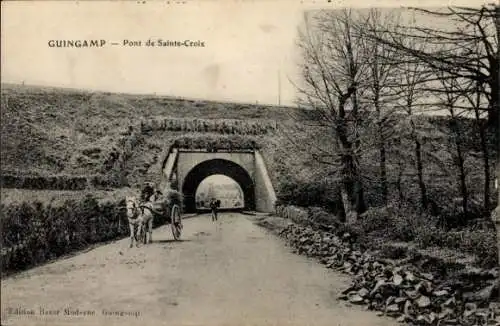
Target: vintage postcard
x=250, y=162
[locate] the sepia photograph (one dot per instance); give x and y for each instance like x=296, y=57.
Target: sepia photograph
x=250, y=162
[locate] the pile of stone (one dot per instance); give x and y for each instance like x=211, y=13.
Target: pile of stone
x=399, y=288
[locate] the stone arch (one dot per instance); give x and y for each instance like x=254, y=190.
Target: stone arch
x=217, y=166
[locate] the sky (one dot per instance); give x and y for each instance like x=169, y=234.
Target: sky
x=220, y=180
x=249, y=54
x=227, y=190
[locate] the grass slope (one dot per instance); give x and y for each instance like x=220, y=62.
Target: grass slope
x=51, y=131
x=62, y=131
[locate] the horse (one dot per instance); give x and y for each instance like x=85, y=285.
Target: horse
x=140, y=218
x=134, y=219
x=147, y=220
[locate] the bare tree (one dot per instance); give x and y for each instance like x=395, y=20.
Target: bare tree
x=381, y=81
x=412, y=89
x=496, y=213
x=455, y=51
x=451, y=98
x=332, y=71
x=473, y=97
x=468, y=51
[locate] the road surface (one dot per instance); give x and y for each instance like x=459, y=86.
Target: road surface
x=235, y=273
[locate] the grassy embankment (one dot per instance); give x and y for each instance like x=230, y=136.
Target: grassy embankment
x=66, y=133
x=59, y=134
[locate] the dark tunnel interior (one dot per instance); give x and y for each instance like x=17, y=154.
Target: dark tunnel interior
x=217, y=166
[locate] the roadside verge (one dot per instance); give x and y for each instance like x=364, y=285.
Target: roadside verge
x=414, y=287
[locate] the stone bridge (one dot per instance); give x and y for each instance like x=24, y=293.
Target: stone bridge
x=188, y=168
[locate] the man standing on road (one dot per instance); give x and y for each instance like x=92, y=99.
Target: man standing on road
x=213, y=207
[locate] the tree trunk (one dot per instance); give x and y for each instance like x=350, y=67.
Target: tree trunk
x=345, y=203
x=347, y=188
x=462, y=180
x=495, y=216
x=382, y=150
x=486, y=161
x=460, y=162
x=397, y=144
x=493, y=112
x=383, y=172
x=420, y=174
x=342, y=200
x=486, y=182
x=353, y=187
x=495, y=90
x=497, y=108
x=350, y=175
x=399, y=182
x=420, y=168
x=359, y=195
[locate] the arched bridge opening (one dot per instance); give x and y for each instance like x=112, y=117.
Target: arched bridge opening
x=212, y=167
x=184, y=170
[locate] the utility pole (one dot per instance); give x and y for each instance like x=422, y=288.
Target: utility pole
x=279, y=87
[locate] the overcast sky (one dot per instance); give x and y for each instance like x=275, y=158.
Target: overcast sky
x=248, y=44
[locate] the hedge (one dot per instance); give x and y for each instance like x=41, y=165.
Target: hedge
x=59, y=182
x=44, y=182
x=222, y=126
x=310, y=193
x=34, y=233
x=294, y=213
x=395, y=225
x=216, y=142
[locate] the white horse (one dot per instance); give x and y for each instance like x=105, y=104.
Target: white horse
x=140, y=219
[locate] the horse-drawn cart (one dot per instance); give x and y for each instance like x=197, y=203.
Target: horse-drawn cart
x=170, y=213
x=162, y=210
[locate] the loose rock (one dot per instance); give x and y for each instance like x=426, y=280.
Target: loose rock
x=399, y=289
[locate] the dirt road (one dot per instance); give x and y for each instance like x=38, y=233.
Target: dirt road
x=232, y=274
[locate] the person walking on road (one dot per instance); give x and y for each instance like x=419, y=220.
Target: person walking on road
x=214, y=205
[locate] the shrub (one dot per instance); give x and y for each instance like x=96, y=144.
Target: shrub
x=296, y=214
x=221, y=126
x=405, y=227
x=311, y=193
x=321, y=216
x=481, y=243
x=114, y=180
x=60, y=182
x=34, y=233
x=393, y=252
x=377, y=226
x=211, y=142
x=375, y=219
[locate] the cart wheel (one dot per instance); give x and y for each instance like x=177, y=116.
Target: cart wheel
x=176, y=222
